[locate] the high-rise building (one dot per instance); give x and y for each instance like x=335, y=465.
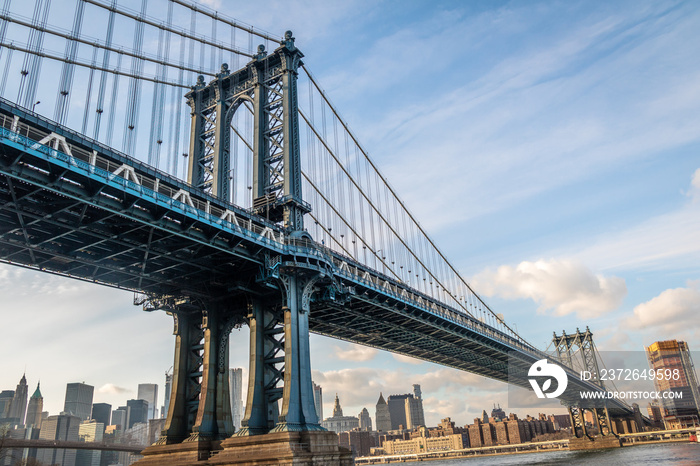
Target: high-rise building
x=34, y=409
x=62, y=427
x=120, y=418
x=672, y=358
x=235, y=386
x=414, y=409
x=382, y=415
x=6, y=397
x=18, y=409
x=102, y=412
x=90, y=431
x=166, y=395
x=79, y=400
x=318, y=401
x=365, y=420
x=397, y=409
x=138, y=412
x=149, y=392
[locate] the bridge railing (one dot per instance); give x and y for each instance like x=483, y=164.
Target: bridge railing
x=355, y=271
x=221, y=213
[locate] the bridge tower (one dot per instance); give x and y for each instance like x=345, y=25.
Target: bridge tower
x=578, y=351
x=274, y=300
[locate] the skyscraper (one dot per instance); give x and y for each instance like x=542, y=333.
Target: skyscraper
x=6, y=397
x=318, y=401
x=397, y=409
x=36, y=406
x=61, y=427
x=382, y=415
x=149, y=392
x=18, y=409
x=138, y=412
x=235, y=385
x=672, y=357
x=414, y=409
x=79, y=400
x=365, y=420
x=120, y=418
x=102, y=412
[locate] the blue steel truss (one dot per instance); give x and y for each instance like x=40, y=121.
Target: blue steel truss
x=74, y=207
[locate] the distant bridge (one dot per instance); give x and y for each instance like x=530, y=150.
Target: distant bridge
x=65, y=445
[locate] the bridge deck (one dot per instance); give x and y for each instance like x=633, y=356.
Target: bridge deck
x=71, y=206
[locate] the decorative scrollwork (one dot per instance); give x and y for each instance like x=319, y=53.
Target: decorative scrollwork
x=307, y=294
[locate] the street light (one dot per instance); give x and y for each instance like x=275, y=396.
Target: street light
x=35, y=104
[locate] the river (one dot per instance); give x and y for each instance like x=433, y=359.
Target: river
x=686, y=454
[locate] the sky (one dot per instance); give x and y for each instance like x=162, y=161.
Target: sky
x=551, y=149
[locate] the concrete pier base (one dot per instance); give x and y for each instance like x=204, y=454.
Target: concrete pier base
x=178, y=454
x=608, y=441
x=280, y=448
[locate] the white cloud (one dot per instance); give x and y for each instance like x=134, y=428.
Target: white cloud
x=563, y=286
x=406, y=359
x=111, y=389
x=670, y=313
x=355, y=353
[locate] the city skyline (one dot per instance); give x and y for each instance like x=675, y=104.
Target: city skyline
x=563, y=176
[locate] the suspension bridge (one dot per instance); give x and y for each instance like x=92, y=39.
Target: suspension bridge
x=270, y=214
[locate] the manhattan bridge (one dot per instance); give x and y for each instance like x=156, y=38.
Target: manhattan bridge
x=161, y=150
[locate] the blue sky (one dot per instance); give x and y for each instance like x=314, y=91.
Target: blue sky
x=552, y=150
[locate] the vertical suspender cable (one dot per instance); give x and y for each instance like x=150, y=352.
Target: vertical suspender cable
x=6, y=71
x=134, y=99
x=99, y=109
x=113, y=102
x=88, y=94
x=68, y=68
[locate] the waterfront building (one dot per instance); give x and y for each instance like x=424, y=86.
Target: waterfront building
x=64, y=427
x=79, y=400
x=672, y=357
x=138, y=412
x=365, y=420
x=235, y=386
x=318, y=400
x=359, y=442
x=102, y=412
x=425, y=443
x=34, y=409
x=339, y=423
x=382, y=416
x=560, y=421
x=501, y=433
x=18, y=408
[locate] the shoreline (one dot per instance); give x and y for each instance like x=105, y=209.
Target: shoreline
x=557, y=445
